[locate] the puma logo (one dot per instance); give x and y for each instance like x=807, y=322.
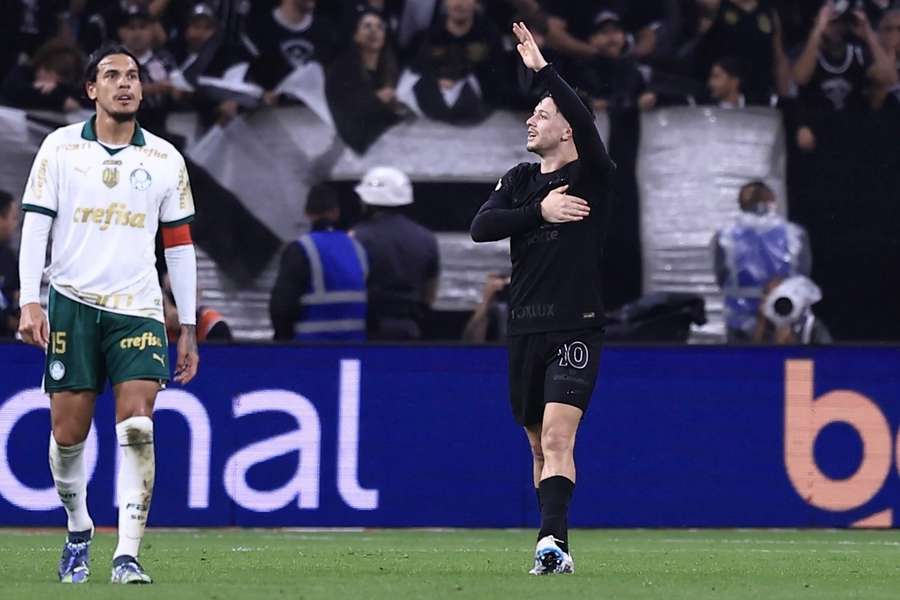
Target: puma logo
x=83, y=171
x=161, y=360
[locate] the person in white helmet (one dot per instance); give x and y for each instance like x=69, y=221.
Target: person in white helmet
x=404, y=263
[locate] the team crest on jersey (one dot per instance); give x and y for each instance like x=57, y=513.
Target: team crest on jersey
x=140, y=180
x=110, y=177
x=731, y=17
x=297, y=51
x=57, y=370
x=765, y=24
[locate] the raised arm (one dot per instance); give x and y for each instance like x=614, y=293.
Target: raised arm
x=584, y=132
x=883, y=71
x=805, y=65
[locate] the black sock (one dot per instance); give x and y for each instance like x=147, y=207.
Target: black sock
x=79, y=537
x=537, y=492
x=555, y=493
x=123, y=559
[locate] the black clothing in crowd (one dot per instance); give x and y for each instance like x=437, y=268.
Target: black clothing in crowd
x=9, y=291
x=443, y=56
x=279, y=48
x=748, y=37
x=403, y=261
x=839, y=82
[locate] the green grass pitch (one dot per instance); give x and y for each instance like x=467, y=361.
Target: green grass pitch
x=398, y=564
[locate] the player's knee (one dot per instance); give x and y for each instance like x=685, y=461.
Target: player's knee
x=69, y=432
x=135, y=409
x=556, y=443
x=135, y=431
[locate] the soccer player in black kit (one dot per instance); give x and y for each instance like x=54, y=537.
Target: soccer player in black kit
x=554, y=213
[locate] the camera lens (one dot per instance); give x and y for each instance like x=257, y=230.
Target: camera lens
x=783, y=306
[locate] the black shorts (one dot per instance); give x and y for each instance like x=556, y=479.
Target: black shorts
x=559, y=366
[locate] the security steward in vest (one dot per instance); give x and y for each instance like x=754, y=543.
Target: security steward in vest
x=320, y=291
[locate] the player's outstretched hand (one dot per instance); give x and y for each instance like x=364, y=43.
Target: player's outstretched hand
x=188, y=357
x=528, y=48
x=33, y=326
x=559, y=207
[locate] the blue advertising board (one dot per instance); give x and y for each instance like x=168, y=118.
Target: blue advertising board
x=422, y=436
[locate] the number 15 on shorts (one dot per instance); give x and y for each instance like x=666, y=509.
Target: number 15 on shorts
x=58, y=342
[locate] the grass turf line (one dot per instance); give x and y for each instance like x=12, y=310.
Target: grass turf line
x=399, y=564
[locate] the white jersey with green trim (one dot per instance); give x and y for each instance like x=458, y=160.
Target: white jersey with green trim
x=107, y=205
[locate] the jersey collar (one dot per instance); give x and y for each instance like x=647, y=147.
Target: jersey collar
x=88, y=132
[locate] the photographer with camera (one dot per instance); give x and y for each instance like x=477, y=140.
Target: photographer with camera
x=786, y=316
x=760, y=248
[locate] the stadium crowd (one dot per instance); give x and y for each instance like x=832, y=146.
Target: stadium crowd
x=380, y=62
x=453, y=60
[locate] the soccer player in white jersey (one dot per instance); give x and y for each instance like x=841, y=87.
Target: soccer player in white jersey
x=102, y=188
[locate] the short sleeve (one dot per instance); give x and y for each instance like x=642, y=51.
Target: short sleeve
x=178, y=204
x=42, y=192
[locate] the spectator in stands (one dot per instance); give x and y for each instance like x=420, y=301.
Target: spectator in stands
x=403, y=257
x=571, y=21
x=25, y=26
x=204, y=51
x=757, y=249
x=889, y=34
x=569, y=25
x=835, y=74
x=101, y=25
x=749, y=30
x=648, y=24
x=286, y=38
x=211, y=325
x=50, y=81
x=610, y=77
x=200, y=28
x=345, y=13
x=320, y=291
x=9, y=266
x=135, y=31
x=725, y=83
x=457, y=59
x=361, y=85
x=488, y=321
